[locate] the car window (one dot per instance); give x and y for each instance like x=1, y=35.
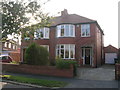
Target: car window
x=4, y=57
x=0, y=58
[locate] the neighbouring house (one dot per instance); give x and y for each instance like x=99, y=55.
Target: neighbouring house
x=110, y=53
x=71, y=37
x=12, y=48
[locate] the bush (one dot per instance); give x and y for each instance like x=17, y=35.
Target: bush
x=64, y=64
x=52, y=63
x=36, y=55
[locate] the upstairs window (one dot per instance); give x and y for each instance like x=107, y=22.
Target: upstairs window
x=66, y=30
x=85, y=30
x=42, y=33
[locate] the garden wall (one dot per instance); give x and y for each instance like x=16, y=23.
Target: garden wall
x=117, y=71
x=39, y=70
x=15, y=56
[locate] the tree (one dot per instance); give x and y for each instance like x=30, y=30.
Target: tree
x=17, y=15
x=36, y=55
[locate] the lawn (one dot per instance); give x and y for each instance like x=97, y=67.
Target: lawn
x=47, y=83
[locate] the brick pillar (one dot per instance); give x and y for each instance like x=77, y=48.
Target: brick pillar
x=119, y=55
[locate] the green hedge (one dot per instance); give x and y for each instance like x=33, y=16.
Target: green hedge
x=36, y=55
x=65, y=64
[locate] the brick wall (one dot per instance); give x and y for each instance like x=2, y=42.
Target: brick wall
x=39, y=70
x=117, y=71
x=15, y=56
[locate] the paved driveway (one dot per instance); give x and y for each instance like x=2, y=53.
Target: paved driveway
x=105, y=72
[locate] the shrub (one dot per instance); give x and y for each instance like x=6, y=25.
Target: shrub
x=64, y=64
x=36, y=55
x=52, y=63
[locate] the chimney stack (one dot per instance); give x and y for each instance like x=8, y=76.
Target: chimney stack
x=64, y=13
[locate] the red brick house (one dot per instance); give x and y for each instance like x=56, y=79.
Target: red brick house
x=72, y=37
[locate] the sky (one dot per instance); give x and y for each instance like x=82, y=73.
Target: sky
x=104, y=11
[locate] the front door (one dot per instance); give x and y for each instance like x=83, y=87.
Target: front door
x=86, y=54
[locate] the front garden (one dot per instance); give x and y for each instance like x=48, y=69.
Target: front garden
x=37, y=62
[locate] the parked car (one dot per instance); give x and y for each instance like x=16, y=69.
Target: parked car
x=5, y=58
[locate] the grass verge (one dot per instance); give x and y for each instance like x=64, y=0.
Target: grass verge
x=47, y=83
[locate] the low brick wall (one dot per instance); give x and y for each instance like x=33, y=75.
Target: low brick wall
x=15, y=56
x=39, y=70
x=117, y=71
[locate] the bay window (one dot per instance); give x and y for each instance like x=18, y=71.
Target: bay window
x=85, y=30
x=65, y=51
x=66, y=30
x=42, y=33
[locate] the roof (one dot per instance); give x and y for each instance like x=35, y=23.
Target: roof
x=66, y=18
x=70, y=18
x=110, y=49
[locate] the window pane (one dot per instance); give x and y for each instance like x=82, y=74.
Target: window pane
x=71, y=30
x=62, y=53
x=62, y=46
x=58, y=31
x=66, y=30
x=42, y=33
x=58, y=52
x=72, y=51
x=85, y=30
x=46, y=32
x=88, y=30
x=62, y=30
x=66, y=51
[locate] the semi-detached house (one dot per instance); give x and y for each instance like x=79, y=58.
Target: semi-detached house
x=71, y=37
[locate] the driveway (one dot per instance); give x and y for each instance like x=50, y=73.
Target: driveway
x=105, y=72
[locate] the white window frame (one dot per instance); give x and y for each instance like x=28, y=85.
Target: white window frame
x=5, y=45
x=58, y=34
x=13, y=46
x=9, y=45
x=45, y=31
x=65, y=49
x=85, y=27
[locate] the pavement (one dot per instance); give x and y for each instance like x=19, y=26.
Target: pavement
x=95, y=79
x=11, y=85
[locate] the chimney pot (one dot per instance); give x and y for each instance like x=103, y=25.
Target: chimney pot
x=63, y=13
